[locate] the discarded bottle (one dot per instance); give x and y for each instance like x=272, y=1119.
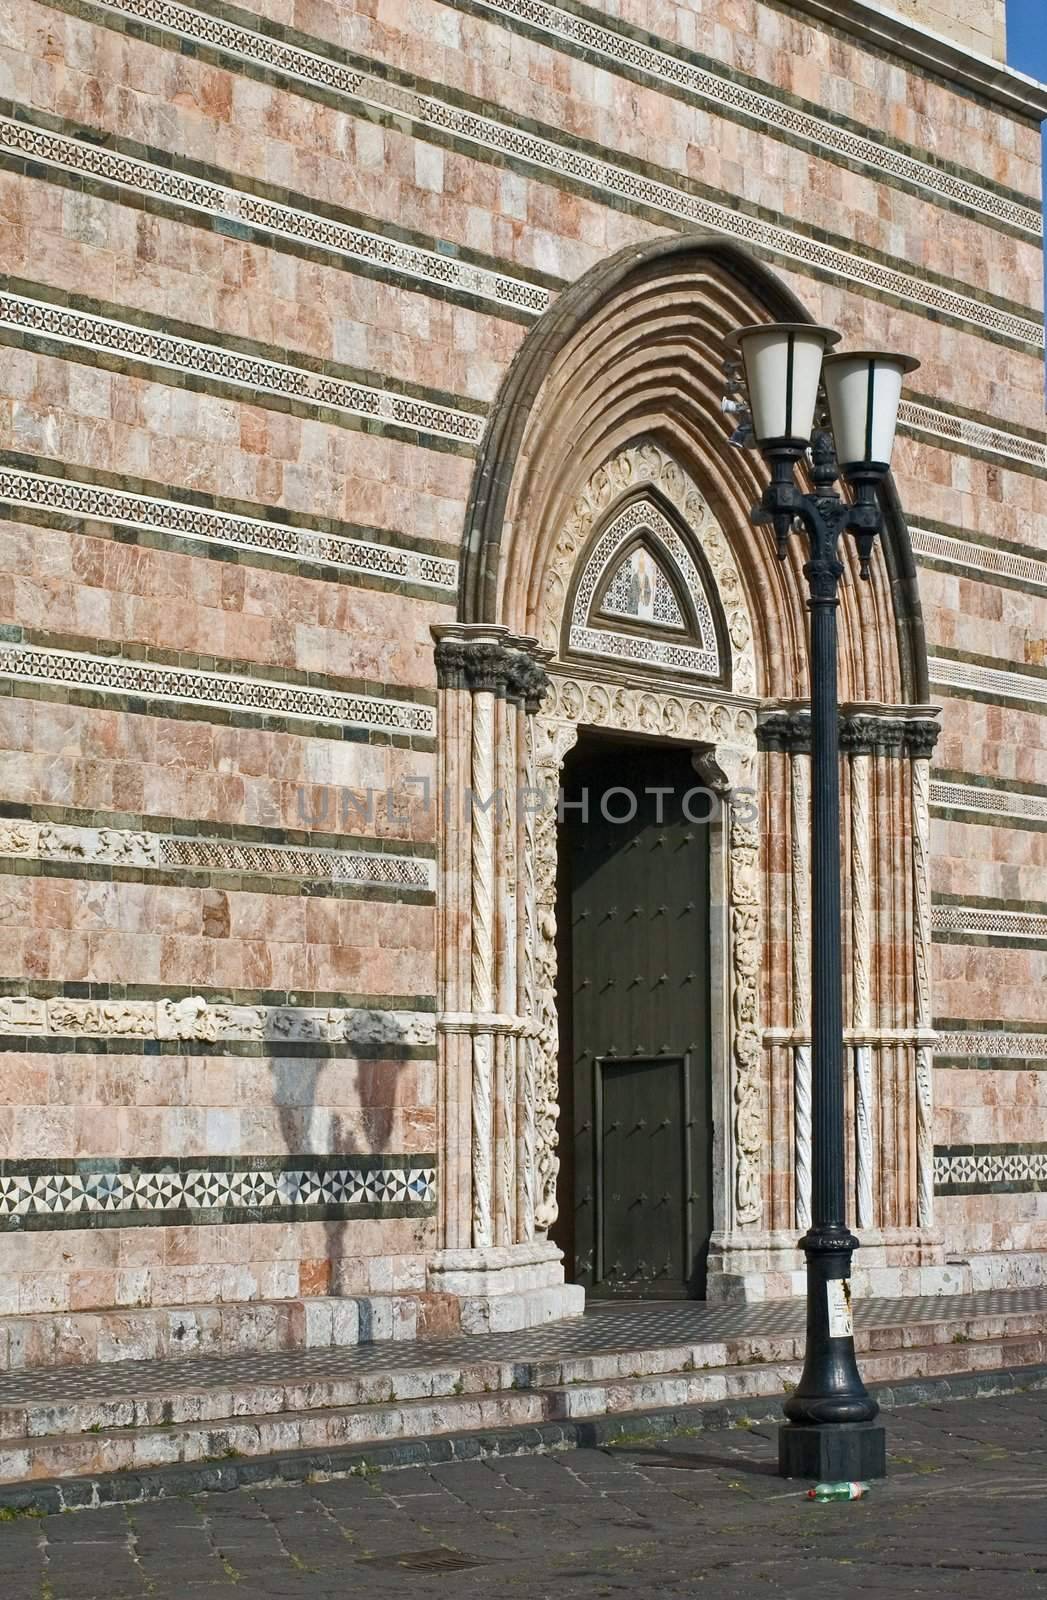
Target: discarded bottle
x=837, y=1491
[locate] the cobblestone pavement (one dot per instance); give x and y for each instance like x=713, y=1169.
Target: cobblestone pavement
x=964, y=1513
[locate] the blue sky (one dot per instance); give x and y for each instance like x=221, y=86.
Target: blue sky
x=1027, y=50
x=1027, y=37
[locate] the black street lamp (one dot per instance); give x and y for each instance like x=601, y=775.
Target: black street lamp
x=830, y=1432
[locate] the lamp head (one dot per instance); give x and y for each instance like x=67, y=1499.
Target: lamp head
x=863, y=389
x=783, y=365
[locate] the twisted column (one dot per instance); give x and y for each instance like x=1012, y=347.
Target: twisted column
x=482, y=965
x=921, y=826
x=727, y=770
x=800, y=790
x=861, y=950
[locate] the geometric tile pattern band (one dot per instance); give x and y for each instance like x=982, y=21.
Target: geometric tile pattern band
x=989, y=922
x=990, y=1044
x=125, y=847
x=69, y=498
x=966, y=431
x=438, y=269
x=114, y=675
x=990, y=802
x=775, y=113
x=986, y=560
x=338, y=394
x=987, y=680
x=254, y=374
x=257, y=375
x=990, y=1169
x=38, y=1195
x=547, y=153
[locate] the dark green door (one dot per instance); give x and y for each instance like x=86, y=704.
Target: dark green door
x=636, y=1131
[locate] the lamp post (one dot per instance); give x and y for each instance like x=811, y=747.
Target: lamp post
x=830, y=1432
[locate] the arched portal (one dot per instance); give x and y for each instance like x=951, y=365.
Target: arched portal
x=612, y=580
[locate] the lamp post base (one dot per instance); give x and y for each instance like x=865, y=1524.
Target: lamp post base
x=832, y=1452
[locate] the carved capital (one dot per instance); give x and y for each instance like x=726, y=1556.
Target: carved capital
x=486, y=666
x=861, y=733
x=788, y=732
x=526, y=682
x=865, y=735
x=921, y=736
x=450, y=663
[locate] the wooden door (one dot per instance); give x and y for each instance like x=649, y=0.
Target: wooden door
x=636, y=1138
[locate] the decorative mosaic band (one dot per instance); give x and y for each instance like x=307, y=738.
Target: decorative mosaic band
x=990, y=802
x=566, y=160
x=194, y=1019
x=667, y=66
x=253, y=374
x=989, y=923
x=992, y=681
x=374, y=248
x=67, y=497
x=986, y=561
x=27, y=663
x=93, y=1193
x=258, y=376
x=974, y=435
x=991, y=1043
x=123, y=847
x=990, y=1169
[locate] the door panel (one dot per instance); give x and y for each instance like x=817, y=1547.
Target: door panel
x=634, y=987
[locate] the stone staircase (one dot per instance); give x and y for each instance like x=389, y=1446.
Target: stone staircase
x=139, y=1416
x=170, y=1333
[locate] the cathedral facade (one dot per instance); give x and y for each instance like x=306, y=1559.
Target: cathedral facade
x=405, y=740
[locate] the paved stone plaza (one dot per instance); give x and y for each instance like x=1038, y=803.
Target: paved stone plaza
x=704, y=1516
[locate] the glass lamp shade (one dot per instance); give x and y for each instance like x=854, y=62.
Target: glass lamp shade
x=783, y=367
x=863, y=388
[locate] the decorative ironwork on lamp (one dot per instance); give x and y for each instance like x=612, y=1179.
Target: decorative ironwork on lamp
x=830, y=1432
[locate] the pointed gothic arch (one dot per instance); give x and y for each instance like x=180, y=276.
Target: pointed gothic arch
x=608, y=442
x=635, y=348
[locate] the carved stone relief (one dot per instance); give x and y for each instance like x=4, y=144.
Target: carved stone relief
x=728, y=770
x=194, y=1018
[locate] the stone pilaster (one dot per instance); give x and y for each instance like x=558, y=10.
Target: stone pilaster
x=499, y=1170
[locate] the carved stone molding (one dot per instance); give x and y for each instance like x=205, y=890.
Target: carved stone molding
x=125, y=847
x=646, y=465
x=703, y=720
x=592, y=634
x=552, y=738
x=728, y=770
x=921, y=868
x=198, y=1020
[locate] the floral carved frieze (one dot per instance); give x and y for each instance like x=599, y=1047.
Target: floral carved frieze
x=195, y=1019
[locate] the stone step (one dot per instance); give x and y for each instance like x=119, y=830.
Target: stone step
x=213, y=1390
x=126, y=1449
x=110, y=1447
x=115, y=1421
x=168, y=1333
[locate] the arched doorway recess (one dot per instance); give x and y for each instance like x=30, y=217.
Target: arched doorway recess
x=612, y=580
